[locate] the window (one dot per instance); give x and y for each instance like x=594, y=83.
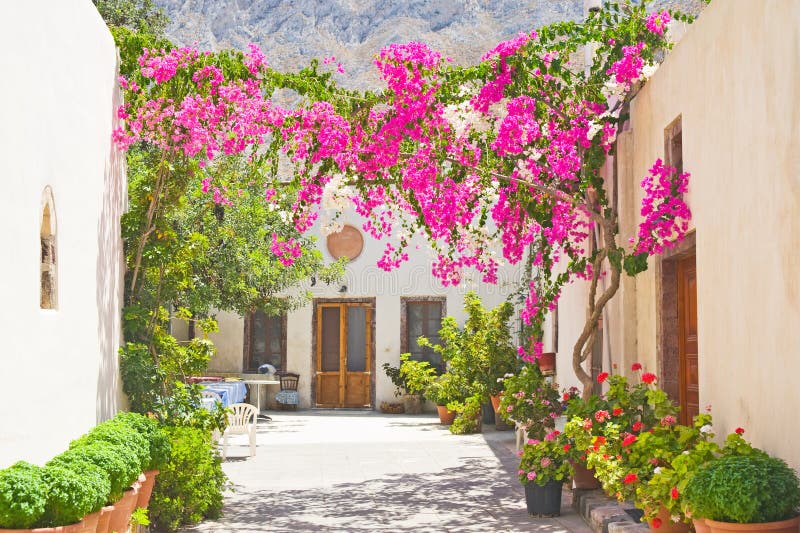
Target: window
x=422, y=317
x=673, y=145
x=47, y=254
x=264, y=341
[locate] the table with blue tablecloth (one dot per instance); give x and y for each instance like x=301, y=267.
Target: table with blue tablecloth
x=230, y=392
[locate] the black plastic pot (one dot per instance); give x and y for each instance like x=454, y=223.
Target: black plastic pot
x=543, y=500
x=488, y=413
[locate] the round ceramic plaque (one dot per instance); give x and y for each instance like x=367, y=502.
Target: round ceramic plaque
x=347, y=243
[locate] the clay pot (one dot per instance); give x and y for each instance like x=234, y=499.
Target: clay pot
x=123, y=509
x=104, y=519
x=700, y=525
x=446, y=416
x=583, y=477
x=547, y=362
x=784, y=526
x=667, y=525
x=147, y=481
x=495, y=398
x=87, y=525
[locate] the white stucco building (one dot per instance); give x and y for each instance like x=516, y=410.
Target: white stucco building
x=64, y=189
x=716, y=317
x=339, y=342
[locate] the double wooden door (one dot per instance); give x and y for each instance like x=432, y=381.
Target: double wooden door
x=343, y=358
x=689, y=389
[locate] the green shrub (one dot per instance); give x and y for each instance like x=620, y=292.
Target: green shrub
x=744, y=489
x=118, y=462
x=417, y=374
x=190, y=485
x=447, y=388
x=73, y=493
x=23, y=496
x=149, y=428
x=122, y=434
x=468, y=419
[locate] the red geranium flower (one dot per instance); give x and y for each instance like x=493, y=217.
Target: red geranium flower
x=674, y=493
x=638, y=426
x=566, y=396
x=649, y=378
x=602, y=376
x=739, y=431
x=630, y=439
x=598, y=441
x=630, y=478
x=655, y=522
x=587, y=424
x=567, y=447
x=617, y=411
x=601, y=416
x=636, y=366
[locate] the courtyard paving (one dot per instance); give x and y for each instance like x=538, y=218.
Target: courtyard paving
x=359, y=471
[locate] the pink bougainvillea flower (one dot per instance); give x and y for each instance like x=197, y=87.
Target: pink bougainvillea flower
x=657, y=22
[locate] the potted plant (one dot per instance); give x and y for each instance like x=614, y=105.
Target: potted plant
x=543, y=467
x=417, y=376
x=158, y=447
x=751, y=492
x=23, y=496
x=468, y=418
x=530, y=401
x=393, y=372
x=445, y=389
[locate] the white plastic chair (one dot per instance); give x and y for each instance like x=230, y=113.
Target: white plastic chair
x=241, y=421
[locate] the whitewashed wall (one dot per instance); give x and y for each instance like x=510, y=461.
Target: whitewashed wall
x=59, y=95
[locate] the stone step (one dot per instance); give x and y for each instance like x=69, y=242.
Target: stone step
x=604, y=514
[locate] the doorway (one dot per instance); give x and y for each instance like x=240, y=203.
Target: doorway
x=344, y=353
x=689, y=390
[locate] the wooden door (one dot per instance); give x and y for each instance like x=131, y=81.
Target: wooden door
x=689, y=391
x=343, y=355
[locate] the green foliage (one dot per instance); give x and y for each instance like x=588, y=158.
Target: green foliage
x=73, y=493
x=157, y=440
x=481, y=352
x=120, y=464
x=469, y=416
x=122, y=434
x=23, y=496
x=141, y=16
x=744, y=489
x=189, y=487
x=417, y=375
x=393, y=372
x=530, y=400
x=140, y=517
x=545, y=460
x=447, y=388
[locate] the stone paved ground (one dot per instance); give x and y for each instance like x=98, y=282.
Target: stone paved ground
x=354, y=471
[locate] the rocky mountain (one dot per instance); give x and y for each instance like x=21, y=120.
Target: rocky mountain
x=291, y=32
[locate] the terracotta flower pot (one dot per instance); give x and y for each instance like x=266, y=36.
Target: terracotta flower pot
x=87, y=525
x=495, y=398
x=583, y=477
x=104, y=519
x=123, y=509
x=547, y=362
x=784, y=526
x=146, y=488
x=666, y=525
x=700, y=525
x=89, y=522
x=446, y=416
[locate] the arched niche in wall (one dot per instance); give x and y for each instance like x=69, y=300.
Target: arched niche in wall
x=48, y=288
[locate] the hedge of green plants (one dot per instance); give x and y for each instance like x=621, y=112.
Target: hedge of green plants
x=94, y=471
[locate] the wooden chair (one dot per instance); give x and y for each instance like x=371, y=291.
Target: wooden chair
x=241, y=421
x=288, y=394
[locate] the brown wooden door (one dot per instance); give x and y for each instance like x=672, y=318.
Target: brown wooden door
x=687, y=339
x=343, y=355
